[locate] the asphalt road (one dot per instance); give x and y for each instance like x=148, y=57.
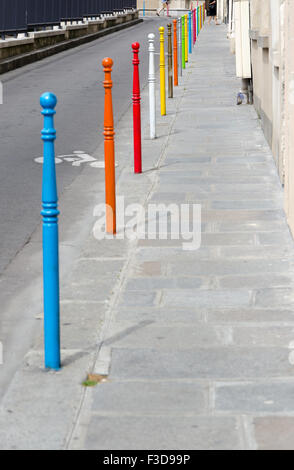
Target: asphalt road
x=76, y=77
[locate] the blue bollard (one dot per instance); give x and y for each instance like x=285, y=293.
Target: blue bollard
x=50, y=214
x=143, y=7
x=190, y=32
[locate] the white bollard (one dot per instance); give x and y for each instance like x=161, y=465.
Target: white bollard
x=180, y=72
x=152, y=79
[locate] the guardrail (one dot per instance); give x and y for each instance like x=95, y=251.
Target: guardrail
x=18, y=16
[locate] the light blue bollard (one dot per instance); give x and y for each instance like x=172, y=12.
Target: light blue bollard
x=144, y=8
x=50, y=214
x=190, y=32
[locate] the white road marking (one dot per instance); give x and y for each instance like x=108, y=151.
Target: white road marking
x=41, y=160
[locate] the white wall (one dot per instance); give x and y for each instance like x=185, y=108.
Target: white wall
x=242, y=40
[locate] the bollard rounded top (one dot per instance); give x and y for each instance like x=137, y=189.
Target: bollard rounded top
x=107, y=63
x=151, y=36
x=48, y=100
x=161, y=29
x=136, y=46
x=175, y=21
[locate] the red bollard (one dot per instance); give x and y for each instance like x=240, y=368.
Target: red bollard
x=176, y=81
x=137, y=110
x=194, y=26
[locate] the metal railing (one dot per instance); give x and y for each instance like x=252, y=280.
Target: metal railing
x=21, y=15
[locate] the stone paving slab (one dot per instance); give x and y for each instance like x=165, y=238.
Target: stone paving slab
x=207, y=298
x=210, y=239
x=222, y=267
x=163, y=283
x=252, y=316
x=254, y=335
x=274, y=433
x=206, y=363
x=152, y=398
x=164, y=337
x=23, y=400
x=143, y=433
x=255, y=281
x=266, y=398
x=161, y=314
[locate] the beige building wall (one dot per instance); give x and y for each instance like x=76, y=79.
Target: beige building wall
x=242, y=40
x=271, y=35
x=288, y=115
x=174, y=4
x=266, y=35
x=177, y=4
x=266, y=38
x=262, y=70
x=152, y=4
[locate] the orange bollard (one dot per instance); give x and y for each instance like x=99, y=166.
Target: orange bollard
x=109, y=152
x=176, y=82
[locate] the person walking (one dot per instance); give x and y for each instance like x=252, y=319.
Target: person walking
x=211, y=7
x=164, y=6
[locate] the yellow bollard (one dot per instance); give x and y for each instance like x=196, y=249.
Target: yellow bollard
x=162, y=73
x=186, y=38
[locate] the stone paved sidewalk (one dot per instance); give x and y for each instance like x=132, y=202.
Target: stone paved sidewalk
x=198, y=345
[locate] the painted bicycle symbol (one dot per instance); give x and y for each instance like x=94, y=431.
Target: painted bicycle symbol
x=77, y=159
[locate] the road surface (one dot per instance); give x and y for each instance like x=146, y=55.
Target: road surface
x=76, y=77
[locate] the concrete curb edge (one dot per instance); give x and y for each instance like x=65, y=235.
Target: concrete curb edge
x=28, y=58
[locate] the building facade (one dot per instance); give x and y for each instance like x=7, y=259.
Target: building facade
x=174, y=4
x=261, y=33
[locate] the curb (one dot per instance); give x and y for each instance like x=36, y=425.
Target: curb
x=28, y=58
